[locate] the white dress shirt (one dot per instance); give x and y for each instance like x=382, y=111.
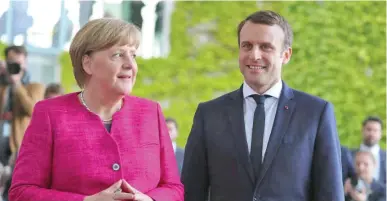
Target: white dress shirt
x=375, y=150
x=174, y=146
x=249, y=105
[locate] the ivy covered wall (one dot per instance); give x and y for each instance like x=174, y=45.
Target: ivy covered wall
x=339, y=54
x=2, y=48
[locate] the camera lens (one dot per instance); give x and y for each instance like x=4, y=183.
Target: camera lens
x=13, y=68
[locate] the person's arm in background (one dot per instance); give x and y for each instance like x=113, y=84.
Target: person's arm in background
x=347, y=164
x=351, y=163
x=29, y=95
x=2, y=67
x=170, y=187
x=3, y=77
x=32, y=174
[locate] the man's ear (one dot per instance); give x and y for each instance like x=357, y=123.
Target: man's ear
x=286, y=54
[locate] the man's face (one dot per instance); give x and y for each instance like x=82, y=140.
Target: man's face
x=172, y=130
x=364, y=165
x=372, y=133
x=261, y=54
x=17, y=58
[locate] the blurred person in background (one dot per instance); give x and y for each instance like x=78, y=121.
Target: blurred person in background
x=173, y=133
x=21, y=20
x=363, y=186
x=100, y=144
x=372, y=130
x=15, y=61
x=67, y=30
x=85, y=11
x=3, y=65
x=347, y=163
x=6, y=176
x=53, y=90
x=17, y=99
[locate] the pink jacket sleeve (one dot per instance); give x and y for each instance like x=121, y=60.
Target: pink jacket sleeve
x=32, y=174
x=170, y=188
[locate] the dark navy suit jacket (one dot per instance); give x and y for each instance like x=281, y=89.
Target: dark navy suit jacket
x=348, y=165
x=302, y=161
x=378, y=192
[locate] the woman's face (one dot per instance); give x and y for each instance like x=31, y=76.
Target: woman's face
x=114, y=70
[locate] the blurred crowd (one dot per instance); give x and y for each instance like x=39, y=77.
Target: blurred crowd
x=18, y=95
x=364, y=168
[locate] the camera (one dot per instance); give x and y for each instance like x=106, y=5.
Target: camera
x=13, y=68
x=358, y=184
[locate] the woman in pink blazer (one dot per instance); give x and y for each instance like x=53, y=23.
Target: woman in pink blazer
x=99, y=144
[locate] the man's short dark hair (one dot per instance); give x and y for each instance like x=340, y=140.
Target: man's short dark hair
x=54, y=88
x=373, y=119
x=171, y=120
x=15, y=48
x=271, y=18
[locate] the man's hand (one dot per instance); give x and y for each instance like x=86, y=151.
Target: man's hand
x=347, y=186
x=16, y=78
x=358, y=196
x=138, y=196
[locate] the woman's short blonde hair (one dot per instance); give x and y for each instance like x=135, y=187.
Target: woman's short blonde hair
x=98, y=35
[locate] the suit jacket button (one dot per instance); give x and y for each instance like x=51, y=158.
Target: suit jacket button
x=116, y=167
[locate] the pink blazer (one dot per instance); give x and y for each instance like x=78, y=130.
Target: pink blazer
x=67, y=153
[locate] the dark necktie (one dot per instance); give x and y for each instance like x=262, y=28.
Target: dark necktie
x=257, y=133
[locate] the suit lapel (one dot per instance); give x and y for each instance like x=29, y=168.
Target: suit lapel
x=236, y=118
x=286, y=106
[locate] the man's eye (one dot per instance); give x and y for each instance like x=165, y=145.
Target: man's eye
x=246, y=45
x=117, y=55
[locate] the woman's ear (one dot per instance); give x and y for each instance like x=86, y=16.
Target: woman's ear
x=86, y=64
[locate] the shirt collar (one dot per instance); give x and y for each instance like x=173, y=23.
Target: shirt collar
x=274, y=91
x=174, y=146
x=374, y=149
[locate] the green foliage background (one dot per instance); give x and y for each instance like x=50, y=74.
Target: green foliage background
x=339, y=54
x=2, y=48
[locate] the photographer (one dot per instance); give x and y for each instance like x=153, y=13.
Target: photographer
x=17, y=99
x=363, y=187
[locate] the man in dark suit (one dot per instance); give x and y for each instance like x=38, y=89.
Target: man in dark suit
x=348, y=169
x=264, y=141
x=173, y=133
x=372, y=133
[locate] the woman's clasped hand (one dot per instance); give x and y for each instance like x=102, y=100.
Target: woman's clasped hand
x=121, y=190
